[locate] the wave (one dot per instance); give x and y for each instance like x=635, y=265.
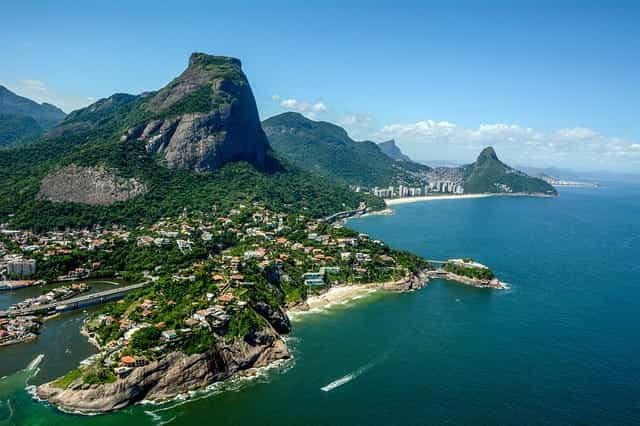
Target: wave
x=158, y=420
x=235, y=384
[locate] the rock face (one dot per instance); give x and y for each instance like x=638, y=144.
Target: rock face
x=208, y=117
x=391, y=149
x=88, y=185
x=172, y=375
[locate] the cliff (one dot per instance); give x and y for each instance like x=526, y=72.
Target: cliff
x=204, y=118
x=88, y=185
x=173, y=374
x=393, y=151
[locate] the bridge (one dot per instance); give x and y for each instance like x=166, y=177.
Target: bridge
x=74, y=303
x=345, y=214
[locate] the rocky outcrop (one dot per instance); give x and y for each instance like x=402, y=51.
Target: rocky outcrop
x=411, y=282
x=207, y=118
x=276, y=317
x=174, y=374
x=88, y=185
x=475, y=282
x=392, y=150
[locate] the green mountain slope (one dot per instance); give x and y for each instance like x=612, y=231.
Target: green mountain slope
x=127, y=159
x=17, y=128
x=22, y=119
x=489, y=174
x=327, y=149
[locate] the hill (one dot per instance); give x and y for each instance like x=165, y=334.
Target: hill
x=392, y=150
x=489, y=174
x=21, y=118
x=195, y=144
x=16, y=128
x=327, y=149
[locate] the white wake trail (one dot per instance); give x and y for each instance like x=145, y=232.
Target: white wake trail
x=347, y=378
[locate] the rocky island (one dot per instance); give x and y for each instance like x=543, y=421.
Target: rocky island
x=469, y=272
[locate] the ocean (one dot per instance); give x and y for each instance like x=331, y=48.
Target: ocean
x=560, y=347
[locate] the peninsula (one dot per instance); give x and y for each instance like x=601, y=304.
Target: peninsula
x=221, y=227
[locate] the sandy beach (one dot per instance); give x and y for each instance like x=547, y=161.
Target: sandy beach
x=336, y=295
x=405, y=200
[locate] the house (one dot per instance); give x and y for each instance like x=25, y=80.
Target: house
x=169, y=335
x=226, y=298
x=330, y=270
x=313, y=279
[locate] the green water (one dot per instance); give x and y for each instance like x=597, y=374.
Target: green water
x=560, y=347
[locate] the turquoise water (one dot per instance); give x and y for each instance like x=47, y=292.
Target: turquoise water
x=560, y=347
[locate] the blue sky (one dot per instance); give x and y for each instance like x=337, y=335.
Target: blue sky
x=547, y=83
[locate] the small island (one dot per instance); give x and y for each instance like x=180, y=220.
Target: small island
x=467, y=271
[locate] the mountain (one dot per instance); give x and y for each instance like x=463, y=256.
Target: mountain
x=391, y=150
x=327, y=149
x=197, y=143
x=22, y=118
x=16, y=128
x=489, y=174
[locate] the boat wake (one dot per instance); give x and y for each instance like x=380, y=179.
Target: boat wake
x=347, y=378
x=35, y=363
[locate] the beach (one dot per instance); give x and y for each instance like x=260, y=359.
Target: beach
x=406, y=200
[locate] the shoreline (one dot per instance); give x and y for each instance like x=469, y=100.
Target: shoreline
x=343, y=293
x=407, y=200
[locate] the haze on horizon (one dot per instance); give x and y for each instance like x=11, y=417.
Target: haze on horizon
x=548, y=84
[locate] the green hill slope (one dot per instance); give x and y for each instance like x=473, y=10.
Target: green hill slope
x=17, y=128
x=327, y=149
x=489, y=174
x=129, y=159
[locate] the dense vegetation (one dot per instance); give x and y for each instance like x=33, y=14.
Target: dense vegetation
x=471, y=272
x=489, y=174
x=46, y=115
x=327, y=149
x=15, y=129
x=91, y=136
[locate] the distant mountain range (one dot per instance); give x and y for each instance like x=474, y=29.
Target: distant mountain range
x=197, y=143
x=327, y=149
x=23, y=119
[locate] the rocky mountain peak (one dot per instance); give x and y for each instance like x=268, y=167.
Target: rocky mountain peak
x=487, y=154
x=392, y=150
x=198, y=58
x=204, y=118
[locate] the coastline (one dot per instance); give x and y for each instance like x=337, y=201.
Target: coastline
x=407, y=200
x=343, y=293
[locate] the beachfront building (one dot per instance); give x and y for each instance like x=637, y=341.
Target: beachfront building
x=313, y=279
x=21, y=267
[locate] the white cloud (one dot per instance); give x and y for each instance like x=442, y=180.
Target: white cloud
x=307, y=108
x=34, y=85
x=581, y=146
x=303, y=106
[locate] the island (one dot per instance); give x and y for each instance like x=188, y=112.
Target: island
x=469, y=272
